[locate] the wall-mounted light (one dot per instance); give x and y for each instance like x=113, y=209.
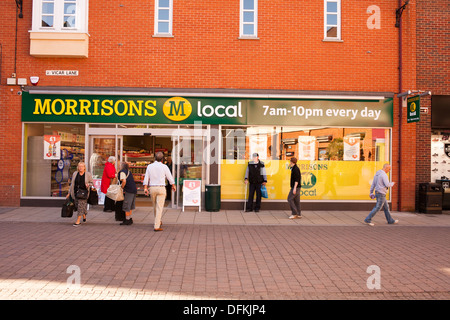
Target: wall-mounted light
x=19, y=5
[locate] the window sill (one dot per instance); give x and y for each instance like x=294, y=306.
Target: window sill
x=59, y=44
x=248, y=38
x=162, y=35
x=332, y=40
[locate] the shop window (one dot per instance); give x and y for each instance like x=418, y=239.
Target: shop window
x=336, y=163
x=332, y=20
x=51, y=155
x=249, y=19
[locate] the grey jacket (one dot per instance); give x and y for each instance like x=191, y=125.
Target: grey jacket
x=380, y=183
x=88, y=179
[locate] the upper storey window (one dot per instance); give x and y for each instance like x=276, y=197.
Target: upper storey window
x=163, y=17
x=332, y=20
x=60, y=15
x=249, y=19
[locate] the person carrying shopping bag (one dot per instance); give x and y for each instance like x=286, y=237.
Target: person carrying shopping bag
x=256, y=176
x=79, y=191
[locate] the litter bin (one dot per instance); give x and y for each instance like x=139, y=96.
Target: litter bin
x=212, y=197
x=430, y=198
x=445, y=193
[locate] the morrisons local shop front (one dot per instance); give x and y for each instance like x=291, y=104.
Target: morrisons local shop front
x=340, y=141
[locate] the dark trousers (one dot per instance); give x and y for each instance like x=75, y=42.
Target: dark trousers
x=110, y=204
x=294, y=201
x=252, y=188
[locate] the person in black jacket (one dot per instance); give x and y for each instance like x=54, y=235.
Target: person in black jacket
x=256, y=176
x=294, y=195
x=129, y=192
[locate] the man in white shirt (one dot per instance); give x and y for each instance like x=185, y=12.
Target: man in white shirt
x=155, y=179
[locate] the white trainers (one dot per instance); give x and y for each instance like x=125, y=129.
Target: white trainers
x=293, y=216
x=395, y=222
x=370, y=224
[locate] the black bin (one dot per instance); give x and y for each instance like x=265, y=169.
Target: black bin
x=445, y=193
x=430, y=198
x=212, y=197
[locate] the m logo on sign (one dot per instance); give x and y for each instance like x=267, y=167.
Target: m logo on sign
x=177, y=109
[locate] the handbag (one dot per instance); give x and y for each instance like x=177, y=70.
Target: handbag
x=115, y=191
x=93, y=197
x=67, y=209
x=264, y=192
x=82, y=194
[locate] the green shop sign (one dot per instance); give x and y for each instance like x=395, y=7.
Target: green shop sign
x=413, y=104
x=231, y=111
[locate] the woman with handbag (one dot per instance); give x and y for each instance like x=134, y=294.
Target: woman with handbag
x=79, y=191
x=109, y=173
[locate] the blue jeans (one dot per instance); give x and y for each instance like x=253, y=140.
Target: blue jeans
x=381, y=203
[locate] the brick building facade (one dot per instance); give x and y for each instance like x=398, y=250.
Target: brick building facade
x=308, y=49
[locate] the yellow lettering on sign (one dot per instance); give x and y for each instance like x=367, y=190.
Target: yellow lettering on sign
x=136, y=108
x=108, y=107
x=125, y=108
x=150, y=108
x=96, y=107
x=84, y=107
x=40, y=108
x=71, y=105
x=63, y=107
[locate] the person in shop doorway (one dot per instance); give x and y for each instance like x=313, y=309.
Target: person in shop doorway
x=129, y=192
x=109, y=173
x=255, y=175
x=378, y=190
x=81, y=180
x=155, y=180
x=294, y=194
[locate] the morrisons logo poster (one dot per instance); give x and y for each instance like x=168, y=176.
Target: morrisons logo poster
x=131, y=109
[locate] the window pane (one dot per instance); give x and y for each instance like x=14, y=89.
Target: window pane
x=47, y=8
x=249, y=5
x=163, y=14
x=163, y=27
x=249, y=16
x=332, y=7
x=47, y=21
x=70, y=8
x=164, y=3
x=332, y=19
x=332, y=32
x=69, y=22
x=50, y=177
x=249, y=29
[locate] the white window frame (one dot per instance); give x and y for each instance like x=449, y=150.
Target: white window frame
x=326, y=25
x=254, y=23
x=157, y=20
x=81, y=17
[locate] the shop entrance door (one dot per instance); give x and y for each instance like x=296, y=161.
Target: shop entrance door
x=100, y=149
x=188, y=163
x=182, y=147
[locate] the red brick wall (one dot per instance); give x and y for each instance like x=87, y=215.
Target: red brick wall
x=433, y=69
x=205, y=52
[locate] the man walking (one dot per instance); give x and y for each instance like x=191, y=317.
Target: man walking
x=155, y=179
x=380, y=185
x=294, y=195
x=256, y=175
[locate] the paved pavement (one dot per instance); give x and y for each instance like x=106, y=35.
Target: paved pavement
x=223, y=255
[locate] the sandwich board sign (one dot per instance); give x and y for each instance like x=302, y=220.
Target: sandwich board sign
x=192, y=193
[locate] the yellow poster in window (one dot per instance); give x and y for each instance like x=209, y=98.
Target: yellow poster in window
x=321, y=180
